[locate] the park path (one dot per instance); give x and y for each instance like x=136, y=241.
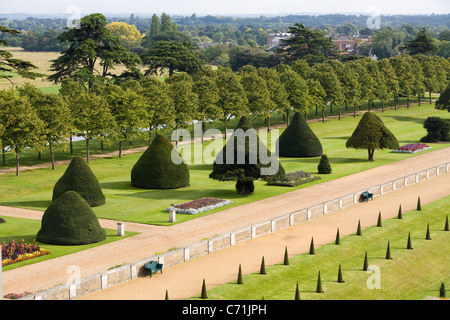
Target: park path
x=153, y=239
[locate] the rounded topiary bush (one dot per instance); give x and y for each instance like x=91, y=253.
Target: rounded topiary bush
x=69, y=220
x=80, y=178
x=324, y=166
x=156, y=170
x=298, y=140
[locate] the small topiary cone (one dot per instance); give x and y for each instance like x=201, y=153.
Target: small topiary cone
x=399, y=216
x=366, y=263
x=297, y=293
x=262, y=270
x=388, y=252
x=239, y=279
x=379, y=223
x=446, y=228
x=419, y=206
x=340, y=277
x=428, y=236
x=358, y=230
x=338, y=238
x=167, y=295
x=442, y=290
x=286, y=257
x=311, y=247
x=319, y=285
x=204, y=295
x=409, y=245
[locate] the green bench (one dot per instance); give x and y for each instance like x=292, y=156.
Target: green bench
x=153, y=267
x=366, y=195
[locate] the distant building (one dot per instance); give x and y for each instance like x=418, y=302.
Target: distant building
x=274, y=39
x=345, y=44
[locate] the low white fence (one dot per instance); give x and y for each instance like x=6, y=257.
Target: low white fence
x=170, y=258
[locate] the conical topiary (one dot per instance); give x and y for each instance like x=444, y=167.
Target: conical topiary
x=340, y=277
x=286, y=257
x=442, y=290
x=388, y=252
x=338, y=238
x=319, y=284
x=297, y=293
x=358, y=229
x=428, y=236
x=262, y=269
x=80, y=178
x=245, y=165
x=399, y=215
x=408, y=244
x=156, y=169
x=366, y=263
x=204, y=295
x=311, y=247
x=298, y=140
x=239, y=278
x=324, y=166
x=446, y=228
x=379, y=222
x=69, y=220
x=419, y=206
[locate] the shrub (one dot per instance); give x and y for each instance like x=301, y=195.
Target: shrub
x=437, y=130
x=156, y=170
x=80, y=178
x=298, y=140
x=293, y=179
x=69, y=220
x=2, y=220
x=324, y=165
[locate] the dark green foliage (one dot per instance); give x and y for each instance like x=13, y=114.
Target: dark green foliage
x=204, y=294
x=419, y=206
x=428, y=236
x=358, y=230
x=372, y=134
x=379, y=223
x=340, y=277
x=167, y=295
x=311, y=247
x=286, y=257
x=156, y=170
x=399, y=215
x=262, y=270
x=80, y=178
x=437, y=130
x=366, y=263
x=442, y=290
x=338, y=238
x=324, y=165
x=239, y=278
x=298, y=140
x=69, y=220
x=388, y=252
x=409, y=245
x=319, y=284
x=297, y=293
x=443, y=103
x=244, y=172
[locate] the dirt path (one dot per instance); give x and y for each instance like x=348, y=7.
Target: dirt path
x=47, y=274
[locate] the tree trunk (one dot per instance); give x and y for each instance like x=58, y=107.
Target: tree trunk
x=101, y=144
x=382, y=106
x=395, y=101
x=430, y=96
x=368, y=105
x=323, y=115
x=339, y=113
x=39, y=155
x=306, y=116
x=245, y=187
x=354, y=111
x=418, y=96
x=149, y=134
x=268, y=124
x=17, y=163
x=287, y=117
x=370, y=152
x=52, y=156
x=407, y=102
x=346, y=107
x=71, y=145
x=120, y=149
x=331, y=107
x=87, y=151
x=3, y=157
x=317, y=113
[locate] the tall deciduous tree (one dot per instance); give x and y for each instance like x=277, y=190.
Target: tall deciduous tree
x=93, y=51
x=405, y=75
x=371, y=134
x=22, y=126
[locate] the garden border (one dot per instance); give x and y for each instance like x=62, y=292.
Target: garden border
x=131, y=271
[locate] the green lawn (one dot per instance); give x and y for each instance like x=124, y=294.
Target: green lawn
x=410, y=275
x=33, y=189
x=26, y=229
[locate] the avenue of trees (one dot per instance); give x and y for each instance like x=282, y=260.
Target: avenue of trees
x=96, y=104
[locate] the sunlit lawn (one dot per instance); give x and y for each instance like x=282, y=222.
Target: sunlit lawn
x=33, y=189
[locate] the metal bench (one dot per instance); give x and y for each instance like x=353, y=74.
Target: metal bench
x=153, y=267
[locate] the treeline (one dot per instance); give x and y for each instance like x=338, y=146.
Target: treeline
x=120, y=109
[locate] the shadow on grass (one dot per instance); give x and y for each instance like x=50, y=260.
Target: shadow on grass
x=407, y=119
x=44, y=204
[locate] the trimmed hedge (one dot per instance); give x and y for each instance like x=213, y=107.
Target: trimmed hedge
x=69, y=220
x=298, y=140
x=156, y=170
x=80, y=178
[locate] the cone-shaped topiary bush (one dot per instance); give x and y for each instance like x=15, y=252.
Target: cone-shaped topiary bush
x=204, y=295
x=388, y=252
x=80, y=178
x=286, y=257
x=262, y=269
x=156, y=170
x=239, y=278
x=298, y=140
x=324, y=166
x=245, y=164
x=69, y=220
x=340, y=277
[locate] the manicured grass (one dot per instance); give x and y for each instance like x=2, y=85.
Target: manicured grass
x=26, y=229
x=33, y=189
x=410, y=274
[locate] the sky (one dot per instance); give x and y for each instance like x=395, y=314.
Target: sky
x=227, y=7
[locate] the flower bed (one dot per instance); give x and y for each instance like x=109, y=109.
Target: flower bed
x=199, y=205
x=293, y=179
x=412, y=148
x=16, y=252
